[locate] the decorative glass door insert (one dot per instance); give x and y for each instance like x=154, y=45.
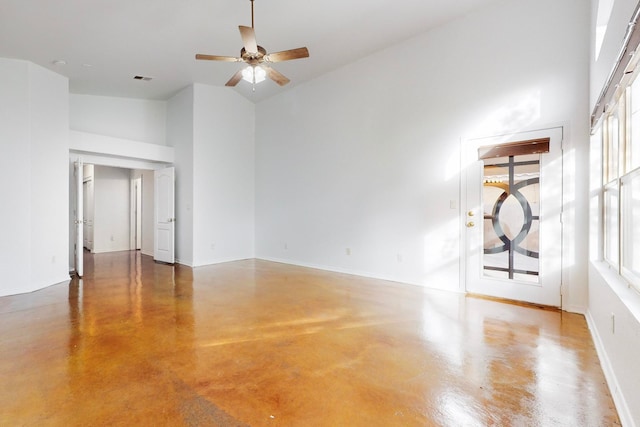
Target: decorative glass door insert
x=511, y=208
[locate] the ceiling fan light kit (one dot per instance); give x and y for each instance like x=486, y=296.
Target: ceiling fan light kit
x=254, y=74
x=257, y=59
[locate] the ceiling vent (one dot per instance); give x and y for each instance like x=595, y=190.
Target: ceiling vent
x=143, y=78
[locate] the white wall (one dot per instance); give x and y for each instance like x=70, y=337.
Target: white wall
x=48, y=100
x=111, y=220
x=127, y=118
x=180, y=136
x=614, y=308
x=15, y=245
x=118, y=149
x=367, y=157
x=212, y=132
x=223, y=176
x=34, y=129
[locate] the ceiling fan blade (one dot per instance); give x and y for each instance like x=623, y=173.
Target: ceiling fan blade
x=235, y=79
x=248, y=39
x=287, y=55
x=275, y=75
x=218, y=58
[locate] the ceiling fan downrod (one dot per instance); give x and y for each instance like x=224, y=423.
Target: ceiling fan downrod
x=252, y=26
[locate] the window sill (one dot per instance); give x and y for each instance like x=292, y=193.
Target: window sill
x=629, y=297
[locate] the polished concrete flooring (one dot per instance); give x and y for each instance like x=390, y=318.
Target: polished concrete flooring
x=255, y=343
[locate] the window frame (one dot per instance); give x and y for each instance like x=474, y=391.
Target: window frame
x=617, y=174
x=614, y=262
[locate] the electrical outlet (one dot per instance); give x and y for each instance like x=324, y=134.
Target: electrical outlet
x=613, y=323
x=399, y=257
x=213, y=246
x=348, y=251
x=286, y=246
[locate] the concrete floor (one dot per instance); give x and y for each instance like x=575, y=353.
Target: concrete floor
x=265, y=344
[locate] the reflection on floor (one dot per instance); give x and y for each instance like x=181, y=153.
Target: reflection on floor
x=261, y=344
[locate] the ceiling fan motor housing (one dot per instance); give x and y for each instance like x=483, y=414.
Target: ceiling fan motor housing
x=253, y=58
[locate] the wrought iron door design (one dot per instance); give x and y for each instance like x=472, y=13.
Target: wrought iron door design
x=511, y=200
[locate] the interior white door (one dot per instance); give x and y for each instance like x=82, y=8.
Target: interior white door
x=79, y=218
x=85, y=235
x=87, y=195
x=521, y=261
x=164, y=215
x=136, y=213
x=90, y=212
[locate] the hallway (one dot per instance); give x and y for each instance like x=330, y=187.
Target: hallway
x=266, y=344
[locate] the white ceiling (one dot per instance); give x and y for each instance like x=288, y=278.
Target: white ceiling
x=106, y=42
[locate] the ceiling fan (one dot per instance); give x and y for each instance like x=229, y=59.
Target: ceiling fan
x=257, y=58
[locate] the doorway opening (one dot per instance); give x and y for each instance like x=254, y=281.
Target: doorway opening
x=117, y=209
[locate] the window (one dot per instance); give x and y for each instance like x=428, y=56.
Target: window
x=633, y=152
x=621, y=185
x=511, y=199
x=613, y=146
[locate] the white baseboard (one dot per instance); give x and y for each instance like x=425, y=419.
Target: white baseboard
x=218, y=261
x=333, y=269
x=575, y=309
x=355, y=273
x=181, y=262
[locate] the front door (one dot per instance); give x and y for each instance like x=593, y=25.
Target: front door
x=513, y=229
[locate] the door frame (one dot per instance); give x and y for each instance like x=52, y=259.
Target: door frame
x=78, y=217
x=468, y=155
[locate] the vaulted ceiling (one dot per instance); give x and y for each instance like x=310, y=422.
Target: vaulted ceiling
x=105, y=43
